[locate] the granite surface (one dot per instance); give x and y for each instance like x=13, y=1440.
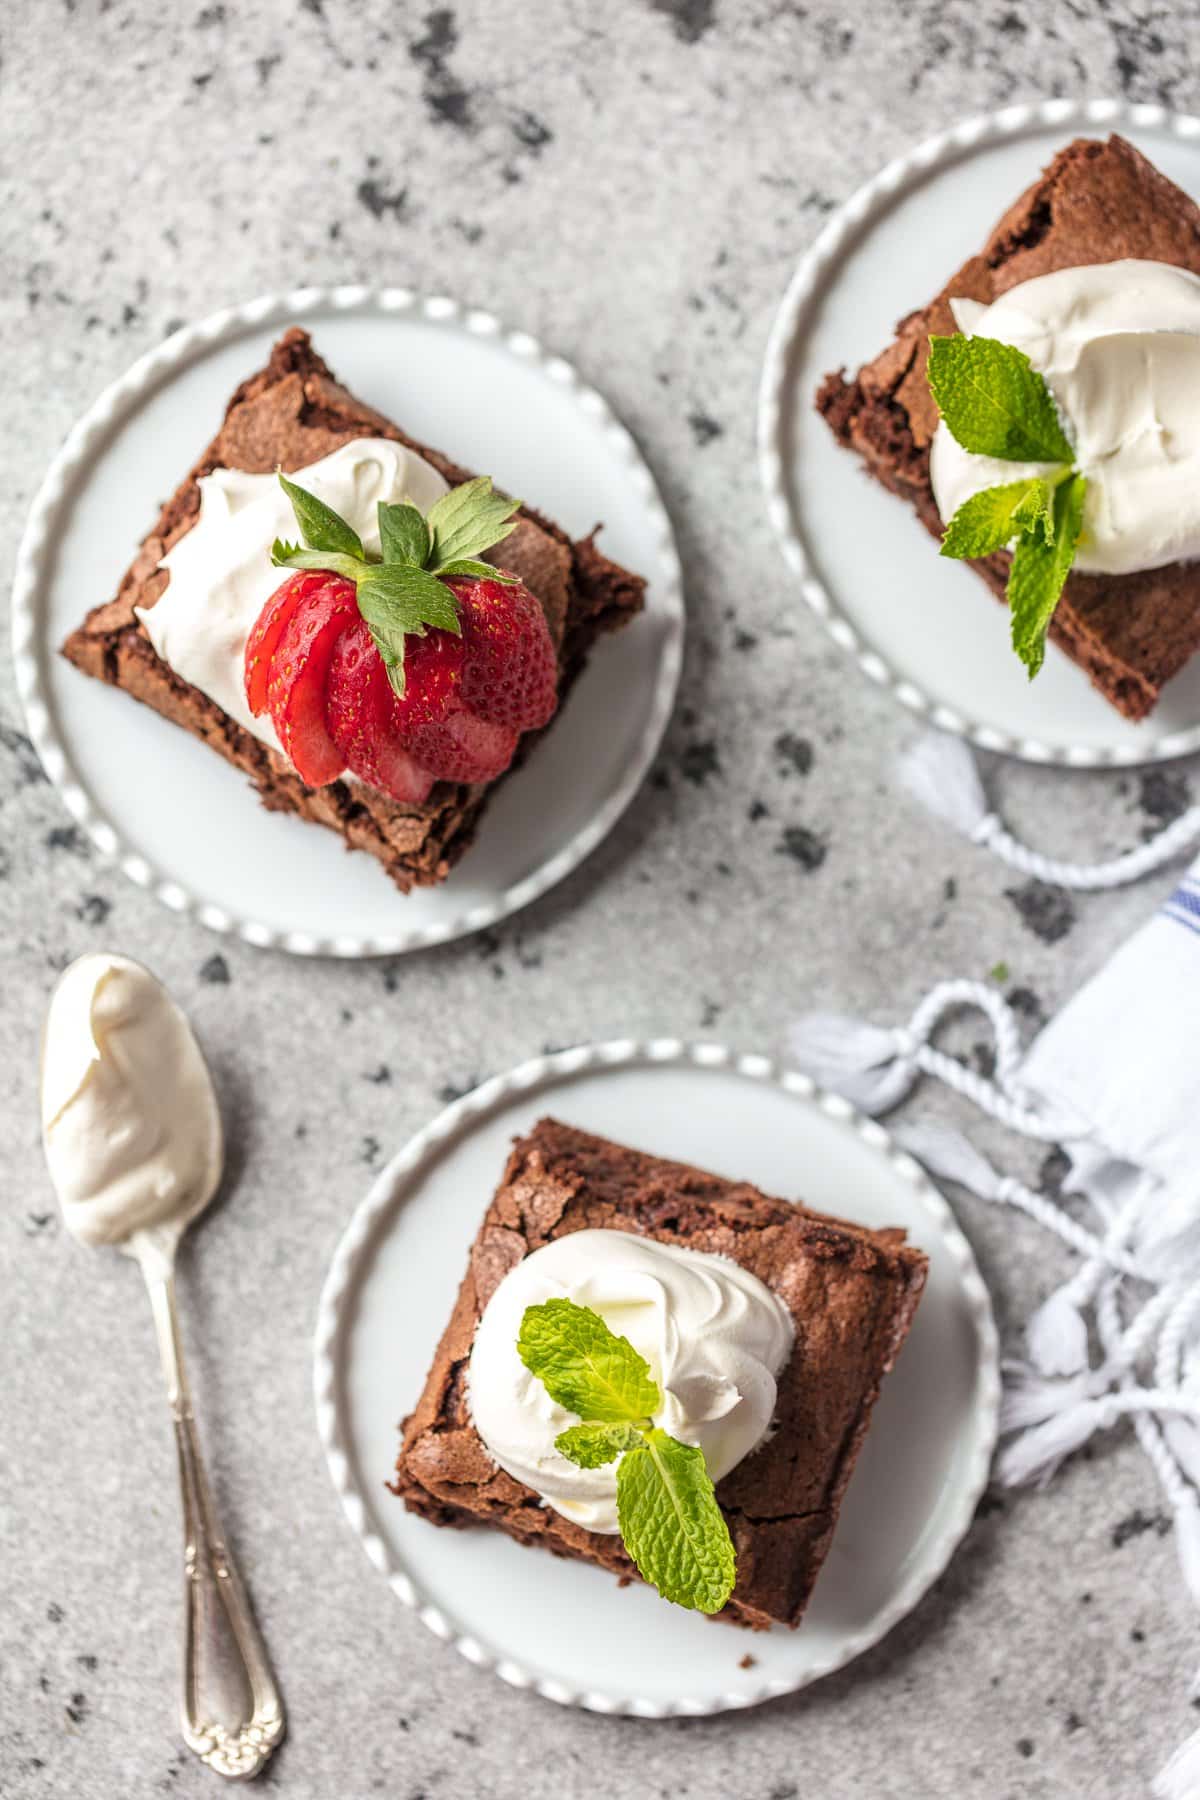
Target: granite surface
x=632, y=182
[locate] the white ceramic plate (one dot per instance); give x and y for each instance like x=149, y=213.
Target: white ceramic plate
x=562, y=1628
x=498, y=402
x=916, y=623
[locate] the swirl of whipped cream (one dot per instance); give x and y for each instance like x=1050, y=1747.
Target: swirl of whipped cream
x=221, y=570
x=715, y=1337
x=1119, y=346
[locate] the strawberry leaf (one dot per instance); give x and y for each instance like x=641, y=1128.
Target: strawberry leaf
x=465, y=565
x=287, y=556
x=468, y=520
x=320, y=527
x=403, y=534
x=398, y=601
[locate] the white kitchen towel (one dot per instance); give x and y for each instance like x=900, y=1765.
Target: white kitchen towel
x=1114, y=1080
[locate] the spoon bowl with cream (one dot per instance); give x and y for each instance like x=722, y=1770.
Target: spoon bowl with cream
x=133, y=1140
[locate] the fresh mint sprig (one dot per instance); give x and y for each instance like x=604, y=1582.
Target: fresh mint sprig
x=403, y=592
x=994, y=403
x=666, y=1505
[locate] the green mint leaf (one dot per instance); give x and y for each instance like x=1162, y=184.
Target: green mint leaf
x=320, y=527
x=1039, y=569
x=671, y=1523
x=990, y=520
x=591, y=1446
x=584, y=1366
x=468, y=520
x=466, y=565
x=1035, y=511
x=994, y=401
x=403, y=534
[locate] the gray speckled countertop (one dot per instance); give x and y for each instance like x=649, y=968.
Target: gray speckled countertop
x=632, y=182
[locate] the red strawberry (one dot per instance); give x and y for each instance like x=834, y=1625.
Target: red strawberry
x=432, y=722
x=510, y=675
x=465, y=645
x=264, y=639
x=299, y=669
x=358, y=713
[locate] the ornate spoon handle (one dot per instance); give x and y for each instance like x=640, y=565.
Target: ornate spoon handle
x=231, y=1713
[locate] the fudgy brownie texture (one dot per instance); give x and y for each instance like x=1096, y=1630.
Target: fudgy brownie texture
x=289, y=415
x=851, y=1293
x=1095, y=203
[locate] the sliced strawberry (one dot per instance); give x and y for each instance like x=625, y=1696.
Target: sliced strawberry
x=461, y=747
x=432, y=722
x=299, y=673
x=510, y=674
x=264, y=639
x=359, y=715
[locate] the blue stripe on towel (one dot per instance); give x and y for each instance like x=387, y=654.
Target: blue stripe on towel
x=1184, y=908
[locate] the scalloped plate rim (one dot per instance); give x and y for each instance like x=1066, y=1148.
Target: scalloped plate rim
x=813, y=272
x=492, y=1096
x=115, y=403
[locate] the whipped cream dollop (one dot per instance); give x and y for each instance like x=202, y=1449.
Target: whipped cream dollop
x=1119, y=346
x=715, y=1337
x=129, y=1119
x=221, y=570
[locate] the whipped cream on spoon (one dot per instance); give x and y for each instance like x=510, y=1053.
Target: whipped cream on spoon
x=132, y=1136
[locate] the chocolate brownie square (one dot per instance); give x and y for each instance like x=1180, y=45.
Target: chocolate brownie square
x=851, y=1293
x=1097, y=202
x=289, y=415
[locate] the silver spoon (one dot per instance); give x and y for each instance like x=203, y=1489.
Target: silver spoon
x=133, y=1138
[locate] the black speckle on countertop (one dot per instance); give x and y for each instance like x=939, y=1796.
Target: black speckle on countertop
x=1049, y=912
x=216, y=971
x=18, y=746
x=68, y=838
x=447, y=101
x=450, y=1091
x=793, y=754
x=690, y=19
x=380, y=1076
x=369, y=1152
x=93, y=909
x=803, y=846
x=372, y=194
x=1163, y=796
x=531, y=131
x=758, y=809
x=1136, y=1524
x=704, y=428
x=699, y=761
x=1056, y=1166
x=1026, y=1005
x=1025, y=1746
